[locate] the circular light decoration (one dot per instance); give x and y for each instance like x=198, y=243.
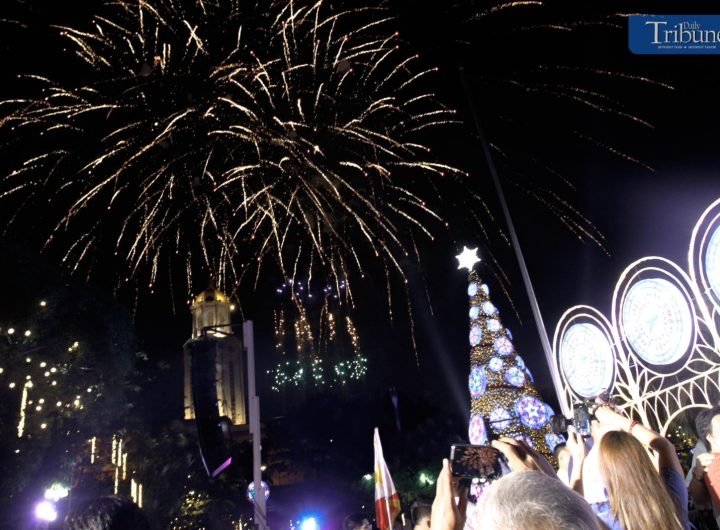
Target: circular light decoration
x=712, y=262
x=531, y=411
x=553, y=440
x=500, y=419
x=251, y=493
x=495, y=364
x=485, y=289
x=657, y=321
x=472, y=289
x=475, y=335
x=519, y=361
x=586, y=359
x=515, y=376
x=488, y=308
x=478, y=381
x=503, y=346
x=476, y=430
x=493, y=325
x=474, y=312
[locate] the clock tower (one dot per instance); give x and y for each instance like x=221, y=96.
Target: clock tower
x=220, y=357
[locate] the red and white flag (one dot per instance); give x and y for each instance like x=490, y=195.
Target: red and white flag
x=387, y=500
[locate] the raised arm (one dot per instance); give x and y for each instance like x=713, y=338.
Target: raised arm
x=667, y=456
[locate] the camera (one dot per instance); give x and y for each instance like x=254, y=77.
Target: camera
x=582, y=417
x=479, y=463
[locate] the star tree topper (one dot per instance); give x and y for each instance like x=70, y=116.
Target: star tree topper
x=467, y=258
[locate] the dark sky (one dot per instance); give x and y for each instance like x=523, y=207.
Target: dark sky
x=639, y=211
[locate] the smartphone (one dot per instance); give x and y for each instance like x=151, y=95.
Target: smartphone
x=477, y=462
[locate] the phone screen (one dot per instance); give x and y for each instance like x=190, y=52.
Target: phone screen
x=477, y=462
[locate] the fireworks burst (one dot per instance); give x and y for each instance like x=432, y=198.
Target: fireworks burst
x=228, y=136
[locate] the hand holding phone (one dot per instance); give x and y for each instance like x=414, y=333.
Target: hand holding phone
x=477, y=462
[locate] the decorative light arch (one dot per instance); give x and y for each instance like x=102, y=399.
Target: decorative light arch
x=660, y=353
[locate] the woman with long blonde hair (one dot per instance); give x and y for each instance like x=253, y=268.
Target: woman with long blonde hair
x=640, y=496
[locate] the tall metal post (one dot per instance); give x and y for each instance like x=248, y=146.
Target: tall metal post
x=254, y=404
x=544, y=340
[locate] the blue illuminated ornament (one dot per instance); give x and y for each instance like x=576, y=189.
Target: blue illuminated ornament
x=553, y=440
x=515, y=376
x=488, y=308
x=485, y=289
x=531, y=411
x=475, y=335
x=476, y=431
x=472, y=289
x=478, y=381
x=474, y=312
x=509, y=334
x=495, y=364
x=503, y=346
x=251, y=493
x=500, y=419
x=494, y=325
x=519, y=361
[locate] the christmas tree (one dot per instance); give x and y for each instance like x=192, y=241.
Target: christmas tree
x=504, y=401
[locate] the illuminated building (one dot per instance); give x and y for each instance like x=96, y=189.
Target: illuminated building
x=211, y=321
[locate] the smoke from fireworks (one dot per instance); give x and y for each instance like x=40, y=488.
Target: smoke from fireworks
x=231, y=136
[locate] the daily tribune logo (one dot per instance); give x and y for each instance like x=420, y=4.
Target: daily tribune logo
x=674, y=34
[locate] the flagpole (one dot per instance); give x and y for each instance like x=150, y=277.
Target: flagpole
x=544, y=340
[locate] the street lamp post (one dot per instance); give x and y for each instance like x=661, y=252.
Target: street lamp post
x=254, y=402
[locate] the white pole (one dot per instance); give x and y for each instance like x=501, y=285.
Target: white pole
x=542, y=332
x=254, y=404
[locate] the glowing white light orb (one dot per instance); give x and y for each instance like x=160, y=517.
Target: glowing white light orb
x=586, y=359
x=45, y=511
x=251, y=493
x=56, y=492
x=657, y=321
x=11, y=331
x=467, y=258
x=309, y=523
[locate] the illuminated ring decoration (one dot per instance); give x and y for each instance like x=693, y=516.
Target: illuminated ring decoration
x=476, y=430
x=584, y=353
x=500, y=419
x=493, y=325
x=475, y=335
x=531, y=411
x=503, y=346
x=586, y=359
x=654, y=315
x=478, y=381
x=515, y=376
x=705, y=254
x=472, y=289
x=495, y=364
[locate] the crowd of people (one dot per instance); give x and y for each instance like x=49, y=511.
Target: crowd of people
x=624, y=476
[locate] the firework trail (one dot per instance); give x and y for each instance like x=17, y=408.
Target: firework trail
x=229, y=136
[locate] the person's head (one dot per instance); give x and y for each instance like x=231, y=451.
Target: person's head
x=531, y=500
x=357, y=521
x=107, y=513
x=420, y=515
x=638, y=497
x=709, y=428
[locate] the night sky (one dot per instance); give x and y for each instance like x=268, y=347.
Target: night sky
x=641, y=208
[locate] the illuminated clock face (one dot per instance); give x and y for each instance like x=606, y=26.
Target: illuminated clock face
x=712, y=263
x=586, y=359
x=657, y=321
